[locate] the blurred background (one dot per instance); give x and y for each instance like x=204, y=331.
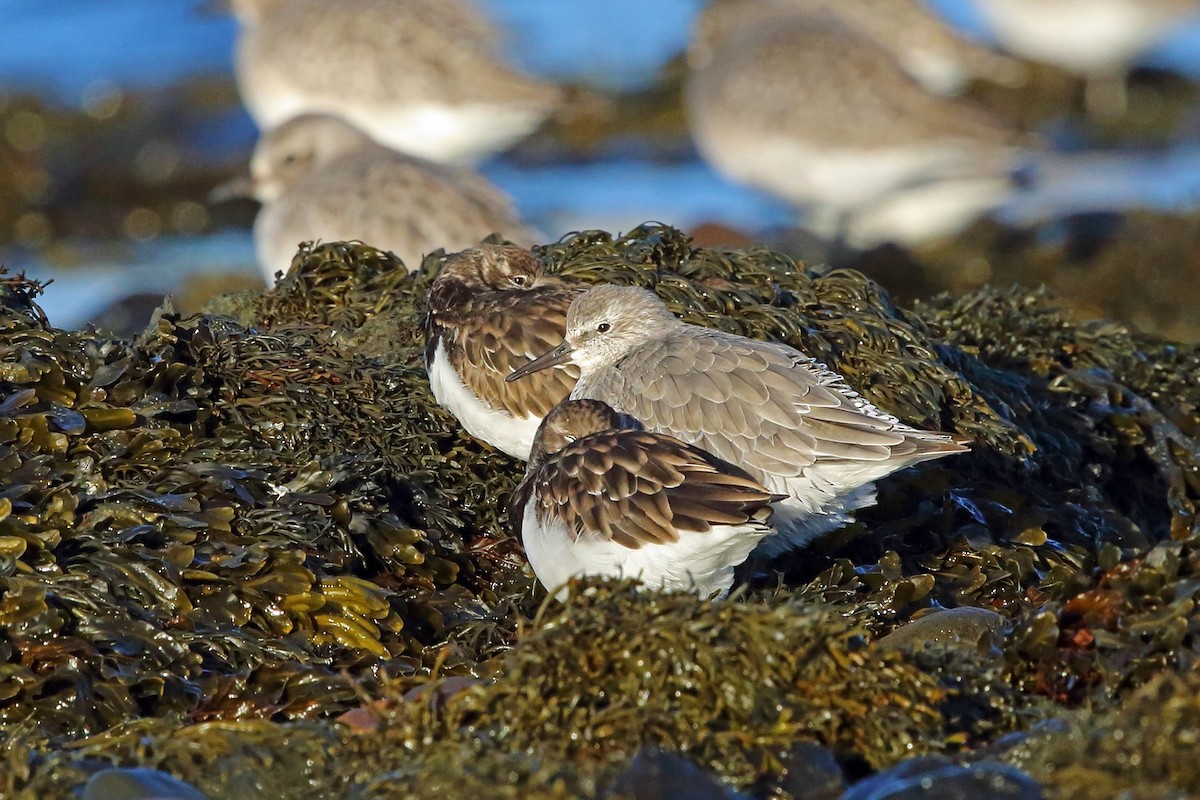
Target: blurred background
x=117, y=120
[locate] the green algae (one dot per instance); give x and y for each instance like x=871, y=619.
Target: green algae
x=219, y=536
x=732, y=686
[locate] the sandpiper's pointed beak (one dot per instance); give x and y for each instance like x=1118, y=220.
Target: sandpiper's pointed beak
x=556, y=357
x=241, y=186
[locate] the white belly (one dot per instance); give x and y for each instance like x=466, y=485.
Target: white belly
x=842, y=179
x=513, y=435
x=925, y=213
x=453, y=134
x=1087, y=37
x=444, y=133
x=699, y=562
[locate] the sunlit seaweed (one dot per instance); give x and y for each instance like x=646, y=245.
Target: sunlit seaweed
x=227, y=532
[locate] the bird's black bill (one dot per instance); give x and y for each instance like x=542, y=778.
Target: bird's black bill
x=556, y=357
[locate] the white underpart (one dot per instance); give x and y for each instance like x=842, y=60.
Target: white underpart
x=917, y=215
x=874, y=184
x=796, y=524
x=1088, y=37
x=436, y=131
x=274, y=253
x=841, y=178
x=513, y=435
x=699, y=562
x=935, y=71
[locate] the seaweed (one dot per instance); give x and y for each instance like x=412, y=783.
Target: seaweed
x=220, y=537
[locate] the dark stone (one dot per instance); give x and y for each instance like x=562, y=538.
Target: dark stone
x=656, y=774
x=966, y=626
x=812, y=773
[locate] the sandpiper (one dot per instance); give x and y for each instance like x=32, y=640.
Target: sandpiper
x=812, y=109
x=603, y=497
x=319, y=177
x=928, y=47
x=420, y=76
x=492, y=309
x=1095, y=39
x=784, y=418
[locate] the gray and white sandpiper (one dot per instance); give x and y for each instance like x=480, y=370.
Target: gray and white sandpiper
x=603, y=497
x=776, y=413
x=493, y=309
x=930, y=49
x=815, y=111
x=318, y=177
x=1094, y=39
x=420, y=76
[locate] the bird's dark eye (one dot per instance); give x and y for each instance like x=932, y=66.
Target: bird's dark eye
x=290, y=158
x=603, y=327
x=519, y=280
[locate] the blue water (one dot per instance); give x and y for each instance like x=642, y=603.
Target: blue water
x=64, y=46
x=68, y=49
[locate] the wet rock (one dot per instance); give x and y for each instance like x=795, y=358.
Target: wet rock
x=137, y=783
x=812, y=773
x=964, y=626
x=655, y=774
x=938, y=778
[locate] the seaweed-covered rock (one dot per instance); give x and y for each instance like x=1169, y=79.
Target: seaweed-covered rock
x=1143, y=748
x=223, y=535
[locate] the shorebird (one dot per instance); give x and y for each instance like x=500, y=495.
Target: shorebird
x=787, y=420
x=603, y=497
x=420, y=76
x=930, y=49
x=319, y=177
x=810, y=108
x=1095, y=39
x=491, y=310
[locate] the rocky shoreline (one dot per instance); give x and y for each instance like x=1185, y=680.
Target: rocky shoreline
x=248, y=549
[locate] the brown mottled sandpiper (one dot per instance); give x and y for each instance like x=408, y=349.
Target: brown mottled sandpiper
x=492, y=309
x=602, y=497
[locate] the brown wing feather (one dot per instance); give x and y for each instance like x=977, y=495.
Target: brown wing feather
x=489, y=334
x=639, y=488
